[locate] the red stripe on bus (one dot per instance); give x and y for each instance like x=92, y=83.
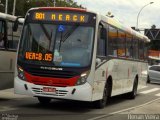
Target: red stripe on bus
x=50, y=81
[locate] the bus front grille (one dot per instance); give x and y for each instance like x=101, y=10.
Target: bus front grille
x=39, y=91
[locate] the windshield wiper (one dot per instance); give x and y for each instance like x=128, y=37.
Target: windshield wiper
x=70, y=32
x=62, y=39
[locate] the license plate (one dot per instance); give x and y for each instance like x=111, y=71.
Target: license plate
x=49, y=89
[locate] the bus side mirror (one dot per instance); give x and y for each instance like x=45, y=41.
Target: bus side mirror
x=16, y=23
x=103, y=34
x=98, y=61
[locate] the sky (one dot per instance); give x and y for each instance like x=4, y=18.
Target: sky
x=126, y=11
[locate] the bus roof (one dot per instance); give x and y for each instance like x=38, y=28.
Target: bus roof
x=108, y=20
x=59, y=8
x=10, y=17
x=122, y=26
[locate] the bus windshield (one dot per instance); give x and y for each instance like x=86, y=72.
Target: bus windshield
x=61, y=45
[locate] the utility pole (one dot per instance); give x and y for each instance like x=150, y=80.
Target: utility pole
x=6, y=8
x=140, y=12
x=54, y=3
x=14, y=6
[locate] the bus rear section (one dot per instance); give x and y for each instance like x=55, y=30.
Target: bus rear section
x=55, y=54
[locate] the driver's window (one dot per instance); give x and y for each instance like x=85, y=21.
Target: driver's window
x=101, y=41
x=1, y=34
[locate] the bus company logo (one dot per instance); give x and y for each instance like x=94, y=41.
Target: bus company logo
x=50, y=82
x=50, y=68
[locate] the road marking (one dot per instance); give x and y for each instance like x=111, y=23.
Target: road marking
x=123, y=110
x=9, y=94
x=158, y=95
x=143, y=87
x=149, y=91
x=6, y=108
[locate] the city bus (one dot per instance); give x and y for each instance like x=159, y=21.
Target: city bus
x=77, y=54
x=8, y=46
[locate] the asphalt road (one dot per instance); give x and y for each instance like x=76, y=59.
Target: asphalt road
x=27, y=108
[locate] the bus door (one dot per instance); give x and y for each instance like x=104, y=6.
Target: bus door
x=100, y=76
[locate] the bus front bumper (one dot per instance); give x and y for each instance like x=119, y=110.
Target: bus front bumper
x=81, y=92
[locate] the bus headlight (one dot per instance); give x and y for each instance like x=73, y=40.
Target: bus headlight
x=83, y=78
x=21, y=73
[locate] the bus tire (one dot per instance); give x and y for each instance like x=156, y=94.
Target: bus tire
x=133, y=94
x=148, y=79
x=106, y=95
x=44, y=100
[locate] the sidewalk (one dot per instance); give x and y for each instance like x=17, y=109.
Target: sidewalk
x=9, y=94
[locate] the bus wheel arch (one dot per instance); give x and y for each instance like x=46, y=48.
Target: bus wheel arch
x=106, y=94
x=110, y=83
x=133, y=93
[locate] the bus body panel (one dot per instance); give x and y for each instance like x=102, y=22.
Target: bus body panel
x=142, y=67
x=7, y=64
x=123, y=73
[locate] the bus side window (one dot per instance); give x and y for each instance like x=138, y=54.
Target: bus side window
x=146, y=51
x=2, y=41
x=135, y=47
x=112, y=41
x=141, y=50
x=121, y=41
x=9, y=34
x=16, y=36
x=101, y=43
x=13, y=36
x=129, y=46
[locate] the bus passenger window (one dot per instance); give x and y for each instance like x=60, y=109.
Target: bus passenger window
x=1, y=40
x=13, y=36
x=135, y=48
x=112, y=41
x=129, y=46
x=145, y=51
x=141, y=50
x=1, y=34
x=121, y=44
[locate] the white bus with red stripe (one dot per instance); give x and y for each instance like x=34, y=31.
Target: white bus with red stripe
x=76, y=54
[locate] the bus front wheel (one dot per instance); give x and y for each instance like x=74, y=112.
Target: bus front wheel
x=44, y=100
x=133, y=94
x=102, y=103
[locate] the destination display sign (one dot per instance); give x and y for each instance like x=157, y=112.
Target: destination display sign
x=60, y=16
x=38, y=56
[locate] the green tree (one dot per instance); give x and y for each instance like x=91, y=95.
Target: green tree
x=22, y=6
